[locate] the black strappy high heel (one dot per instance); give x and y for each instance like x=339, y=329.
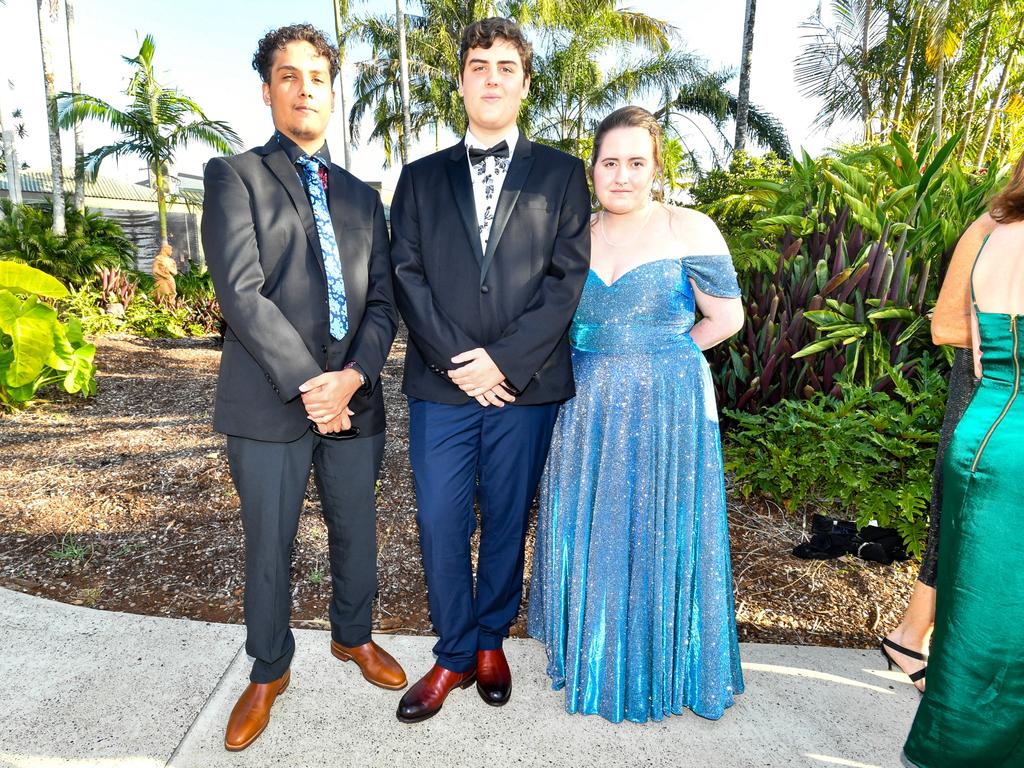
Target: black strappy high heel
x=914, y=677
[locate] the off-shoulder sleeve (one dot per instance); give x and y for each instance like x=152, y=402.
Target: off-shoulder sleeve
x=714, y=274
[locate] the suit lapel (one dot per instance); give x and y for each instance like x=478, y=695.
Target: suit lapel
x=277, y=161
x=462, y=188
x=342, y=222
x=519, y=169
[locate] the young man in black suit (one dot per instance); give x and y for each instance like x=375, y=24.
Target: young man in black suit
x=298, y=251
x=490, y=247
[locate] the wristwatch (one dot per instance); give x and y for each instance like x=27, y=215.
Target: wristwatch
x=362, y=376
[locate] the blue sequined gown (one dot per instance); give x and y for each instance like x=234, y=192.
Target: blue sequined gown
x=631, y=590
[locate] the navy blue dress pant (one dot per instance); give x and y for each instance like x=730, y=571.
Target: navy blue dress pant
x=462, y=453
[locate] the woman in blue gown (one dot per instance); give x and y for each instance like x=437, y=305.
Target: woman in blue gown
x=631, y=589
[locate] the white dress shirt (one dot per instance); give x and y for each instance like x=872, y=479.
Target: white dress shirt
x=488, y=178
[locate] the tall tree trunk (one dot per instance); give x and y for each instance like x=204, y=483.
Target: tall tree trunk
x=76, y=87
x=743, y=97
x=161, y=200
x=340, y=22
x=862, y=80
x=403, y=63
x=10, y=156
x=976, y=80
x=908, y=61
x=940, y=94
x=47, y=12
x=1011, y=58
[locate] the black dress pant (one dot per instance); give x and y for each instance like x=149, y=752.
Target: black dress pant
x=271, y=481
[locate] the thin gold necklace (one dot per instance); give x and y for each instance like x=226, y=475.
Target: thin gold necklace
x=636, y=235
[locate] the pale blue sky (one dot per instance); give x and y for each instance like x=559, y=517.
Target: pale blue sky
x=205, y=48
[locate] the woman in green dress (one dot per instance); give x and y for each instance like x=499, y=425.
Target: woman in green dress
x=972, y=713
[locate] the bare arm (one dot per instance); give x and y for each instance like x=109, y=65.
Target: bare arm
x=721, y=318
x=951, y=321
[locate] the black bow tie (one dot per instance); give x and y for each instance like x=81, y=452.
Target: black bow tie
x=477, y=155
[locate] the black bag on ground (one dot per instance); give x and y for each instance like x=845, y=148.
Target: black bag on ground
x=832, y=538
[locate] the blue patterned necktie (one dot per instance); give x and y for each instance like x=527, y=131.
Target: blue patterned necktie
x=328, y=246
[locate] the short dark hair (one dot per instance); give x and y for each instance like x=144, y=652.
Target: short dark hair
x=272, y=42
x=483, y=33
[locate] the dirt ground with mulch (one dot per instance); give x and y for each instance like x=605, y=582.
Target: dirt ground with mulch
x=124, y=502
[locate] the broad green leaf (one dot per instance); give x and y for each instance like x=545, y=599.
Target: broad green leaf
x=10, y=306
x=815, y=347
x=32, y=342
x=21, y=278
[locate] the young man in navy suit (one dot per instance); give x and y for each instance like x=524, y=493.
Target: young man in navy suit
x=299, y=254
x=490, y=249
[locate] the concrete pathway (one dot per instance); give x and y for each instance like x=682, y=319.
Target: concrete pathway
x=82, y=687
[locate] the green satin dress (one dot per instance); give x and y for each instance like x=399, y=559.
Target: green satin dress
x=973, y=711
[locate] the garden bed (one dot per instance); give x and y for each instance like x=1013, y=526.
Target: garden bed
x=124, y=502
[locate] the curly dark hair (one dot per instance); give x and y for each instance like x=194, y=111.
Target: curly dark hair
x=272, y=42
x=483, y=33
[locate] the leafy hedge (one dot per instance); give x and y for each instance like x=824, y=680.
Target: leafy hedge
x=866, y=454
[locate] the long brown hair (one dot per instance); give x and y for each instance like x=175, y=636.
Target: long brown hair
x=1008, y=205
x=631, y=117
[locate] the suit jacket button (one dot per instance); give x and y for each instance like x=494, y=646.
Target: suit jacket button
x=484, y=289
x=323, y=348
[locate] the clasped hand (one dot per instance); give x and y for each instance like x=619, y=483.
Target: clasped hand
x=480, y=378
x=326, y=398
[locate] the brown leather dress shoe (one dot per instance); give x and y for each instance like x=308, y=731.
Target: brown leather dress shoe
x=493, y=677
x=251, y=714
x=425, y=698
x=378, y=666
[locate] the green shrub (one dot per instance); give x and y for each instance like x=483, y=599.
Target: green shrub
x=36, y=349
x=861, y=242
x=92, y=241
x=867, y=455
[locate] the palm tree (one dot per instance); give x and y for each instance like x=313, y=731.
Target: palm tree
x=836, y=64
x=746, y=54
x=158, y=122
x=1016, y=42
x=342, y=21
x=403, y=68
x=76, y=87
x=47, y=13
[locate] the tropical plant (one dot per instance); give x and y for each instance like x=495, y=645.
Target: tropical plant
x=92, y=241
x=36, y=349
x=861, y=242
x=158, y=122
x=572, y=85
x=865, y=453
x=737, y=221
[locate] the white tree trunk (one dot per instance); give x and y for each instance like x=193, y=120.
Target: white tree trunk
x=47, y=11
x=746, y=54
x=403, y=63
x=76, y=87
x=340, y=31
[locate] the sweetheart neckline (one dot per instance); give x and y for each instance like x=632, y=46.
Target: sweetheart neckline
x=630, y=271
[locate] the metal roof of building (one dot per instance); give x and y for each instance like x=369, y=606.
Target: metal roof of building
x=40, y=182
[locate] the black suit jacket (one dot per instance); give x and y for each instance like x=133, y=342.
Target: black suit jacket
x=264, y=255
x=517, y=299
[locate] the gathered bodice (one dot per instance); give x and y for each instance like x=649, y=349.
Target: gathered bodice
x=650, y=307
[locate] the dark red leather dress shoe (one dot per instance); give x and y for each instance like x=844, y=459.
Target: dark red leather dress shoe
x=251, y=713
x=493, y=677
x=377, y=665
x=424, y=699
